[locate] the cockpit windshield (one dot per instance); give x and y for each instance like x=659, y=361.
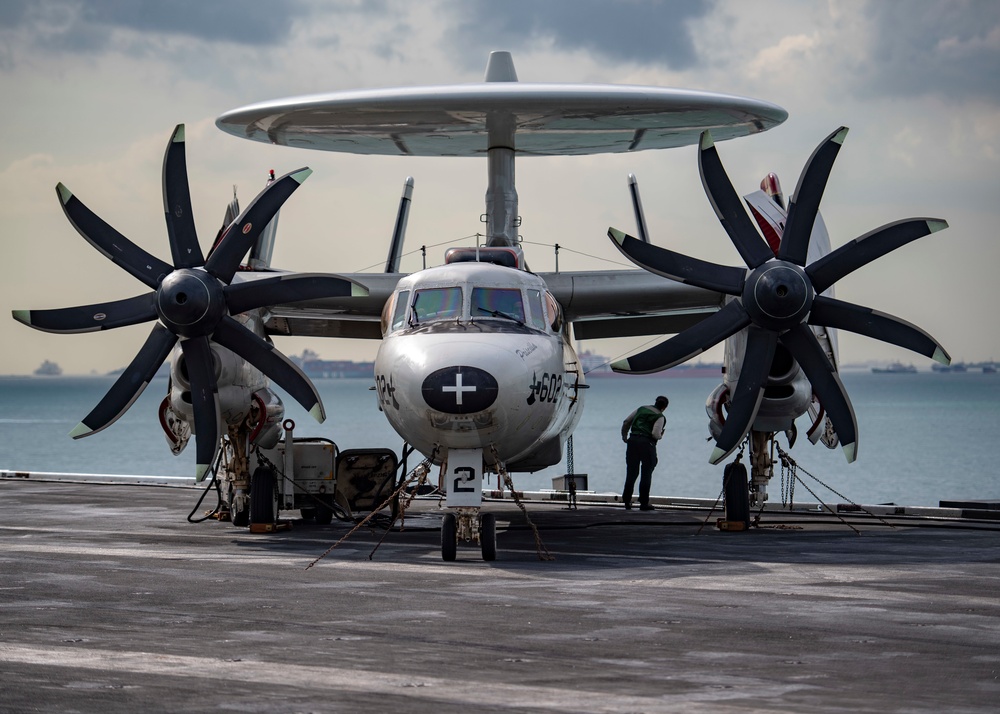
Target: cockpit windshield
x=437, y=304
x=503, y=303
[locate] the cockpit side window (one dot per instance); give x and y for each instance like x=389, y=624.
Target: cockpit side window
x=437, y=304
x=399, y=312
x=503, y=303
x=555, y=312
x=535, y=309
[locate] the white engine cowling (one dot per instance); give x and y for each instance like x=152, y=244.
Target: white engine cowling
x=266, y=414
x=242, y=395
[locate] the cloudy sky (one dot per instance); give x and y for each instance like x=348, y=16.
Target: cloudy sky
x=92, y=90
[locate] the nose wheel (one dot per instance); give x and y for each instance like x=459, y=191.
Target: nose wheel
x=449, y=537
x=469, y=525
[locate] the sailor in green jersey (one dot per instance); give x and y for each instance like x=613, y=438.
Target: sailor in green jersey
x=646, y=425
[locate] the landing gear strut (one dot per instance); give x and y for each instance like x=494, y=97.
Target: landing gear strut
x=761, y=466
x=743, y=493
x=235, y=477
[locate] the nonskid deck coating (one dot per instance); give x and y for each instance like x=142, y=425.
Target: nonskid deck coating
x=112, y=602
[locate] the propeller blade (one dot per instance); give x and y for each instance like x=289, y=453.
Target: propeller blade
x=201, y=374
x=871, y=246
x=244, y=231
x=112, y=244
x=807, y=351
x=677, y=266
x=728, y=206
x=862, y=320
x=746, y=399
x=91, y=318
x=129, y=384
x=685, y=345
x=177, y=205
x=275, y=365
x=282, y=289
x=808, y=193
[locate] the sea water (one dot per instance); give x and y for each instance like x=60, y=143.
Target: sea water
x=923, y=437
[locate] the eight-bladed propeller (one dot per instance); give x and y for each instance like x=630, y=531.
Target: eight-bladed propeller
x=777, y=297
x=194, y=300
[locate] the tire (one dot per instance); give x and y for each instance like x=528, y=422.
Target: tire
x=239, y=518
x=488, y=536
x=324, y=513
x=449, y=537
x=737, y=493
x=262, y=506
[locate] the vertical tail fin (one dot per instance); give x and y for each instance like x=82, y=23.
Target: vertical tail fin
x=640, y=217
x=399, y=231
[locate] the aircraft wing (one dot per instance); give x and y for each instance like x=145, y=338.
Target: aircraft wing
x=600, y=304
x=354, y=317
x=625, y=303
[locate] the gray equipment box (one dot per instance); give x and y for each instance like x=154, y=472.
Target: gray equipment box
x=313, y=472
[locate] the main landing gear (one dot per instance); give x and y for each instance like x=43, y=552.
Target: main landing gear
x=468, y=525
x=745, y=491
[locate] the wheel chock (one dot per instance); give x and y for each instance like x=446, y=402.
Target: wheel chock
x=723, y=525
x=270, y=527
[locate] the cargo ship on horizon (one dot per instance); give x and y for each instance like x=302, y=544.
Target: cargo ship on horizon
x=595, y=365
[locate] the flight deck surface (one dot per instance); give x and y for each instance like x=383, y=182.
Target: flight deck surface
x=112, y=602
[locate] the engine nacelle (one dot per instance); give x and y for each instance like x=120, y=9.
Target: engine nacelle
x=237, y=383
x=787, y=394
x=266, y=414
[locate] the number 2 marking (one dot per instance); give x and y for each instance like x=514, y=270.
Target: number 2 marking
x=471, y=475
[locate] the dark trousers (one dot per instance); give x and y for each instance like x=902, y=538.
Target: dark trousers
x=640, y=460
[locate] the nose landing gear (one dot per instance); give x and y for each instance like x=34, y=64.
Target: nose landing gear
x=468, y=525
x=462, y=482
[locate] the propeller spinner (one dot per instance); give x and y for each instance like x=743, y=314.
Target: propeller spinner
x=193, y=299
x=779, y=297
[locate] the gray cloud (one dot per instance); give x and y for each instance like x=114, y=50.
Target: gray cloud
x=641, y=31
x=71, y=25
x=949, y=49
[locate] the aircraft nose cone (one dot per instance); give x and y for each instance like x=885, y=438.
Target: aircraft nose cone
x=460, y=390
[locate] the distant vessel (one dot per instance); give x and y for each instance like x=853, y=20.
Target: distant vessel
x=162, y=373
x=595, y=365
x=895, y=368
x=316, y=368
x=956, y=367
x=48, y=369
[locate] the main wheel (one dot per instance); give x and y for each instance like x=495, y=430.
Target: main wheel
x=488, y=536
x=449, y=537
x=262, y=502
x=737, y=493
x=239, y=514
x=324, y=512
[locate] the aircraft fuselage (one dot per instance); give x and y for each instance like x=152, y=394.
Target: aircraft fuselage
x=473, y=357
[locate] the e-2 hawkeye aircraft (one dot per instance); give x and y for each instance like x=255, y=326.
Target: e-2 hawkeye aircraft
x=476, y=368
